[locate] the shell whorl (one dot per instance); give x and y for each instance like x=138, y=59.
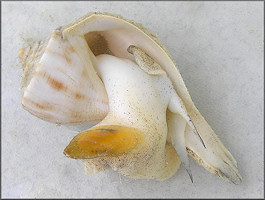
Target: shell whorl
x=56, y=86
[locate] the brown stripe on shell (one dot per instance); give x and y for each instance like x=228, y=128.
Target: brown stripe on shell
x=69, y=49
x=55, y=84
x=79, y=95
x=42, y=106
x=84, y=74
x=42, y=115
x=65, y=55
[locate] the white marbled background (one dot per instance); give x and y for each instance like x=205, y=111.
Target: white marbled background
x=218, y=47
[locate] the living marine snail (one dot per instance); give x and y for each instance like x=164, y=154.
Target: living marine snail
x=113, y=72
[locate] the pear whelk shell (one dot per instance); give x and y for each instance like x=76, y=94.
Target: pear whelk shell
x=126, y=79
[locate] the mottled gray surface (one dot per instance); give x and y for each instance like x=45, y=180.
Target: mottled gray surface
x=218, y=47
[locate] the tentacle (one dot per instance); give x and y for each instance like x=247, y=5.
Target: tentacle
x=176, y=130
x=145, y=62
x=177, y=106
